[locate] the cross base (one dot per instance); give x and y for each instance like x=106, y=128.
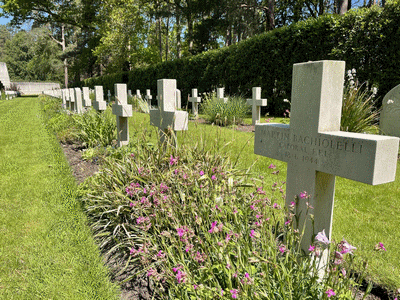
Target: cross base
x=177, y=120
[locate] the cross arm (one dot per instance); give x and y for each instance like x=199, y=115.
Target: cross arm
x=367, y=158
x=269, y=140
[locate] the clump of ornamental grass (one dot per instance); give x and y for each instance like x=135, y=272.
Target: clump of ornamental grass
x=198, y=228
x=359, y=113
x=95, y=129
x=224, y=114
x=139, y=104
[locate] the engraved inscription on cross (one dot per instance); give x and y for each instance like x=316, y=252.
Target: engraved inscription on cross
x=316, y=150
x=166, y=115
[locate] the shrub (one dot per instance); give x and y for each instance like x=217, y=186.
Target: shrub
x=359, y=112
x=96, y=129
x=224, y=114
x=200, y=229
x=138, y=104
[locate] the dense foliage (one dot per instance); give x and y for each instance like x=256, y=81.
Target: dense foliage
x=364, y=38
x=233, y=111
x=199, y=228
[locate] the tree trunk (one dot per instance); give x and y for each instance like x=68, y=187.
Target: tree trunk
x=159, y=36
x=178, y=36
x=271, y=15
x=65, y=60
x=343, y=6
x=190, y=32
x=167, y=40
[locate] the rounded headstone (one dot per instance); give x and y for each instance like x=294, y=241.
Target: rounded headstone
x=390, y=114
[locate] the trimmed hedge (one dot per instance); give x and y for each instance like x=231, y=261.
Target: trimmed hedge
x=367, y=39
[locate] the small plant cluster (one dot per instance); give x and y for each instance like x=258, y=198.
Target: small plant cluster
x=224, y=114
x=359, y=113
x=91, y=129
x=138, y=104
x=200, y=229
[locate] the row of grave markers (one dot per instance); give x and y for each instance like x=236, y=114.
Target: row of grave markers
x=312, y=145
x=76, y=99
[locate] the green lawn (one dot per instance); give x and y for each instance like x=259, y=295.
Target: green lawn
x=364, y=215
x=46, y=247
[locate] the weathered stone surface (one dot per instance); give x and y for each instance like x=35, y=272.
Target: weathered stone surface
x=256, y=102
x=122, y=110
x=4, y=77
x=86, y=97
x=390, y=114
x=99, y=104
x=166, y=115
x=316, y=151
x=195, y=102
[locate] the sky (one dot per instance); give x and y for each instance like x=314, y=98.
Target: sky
x=3, y=21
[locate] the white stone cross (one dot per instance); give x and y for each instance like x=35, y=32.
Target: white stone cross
x=122, y=110
x=64, y=98
x=256, y=102
x=72, y=99
x=109, y=96
x=178, y=100
x=99, y=104
x=148, y=97
x=138, y=94
x=86, y=97
x=129, y=93
x=316, y=150
x=78, y=100
x=67, y=99
x=166, y=115
x=220, y=94
x=195, y=102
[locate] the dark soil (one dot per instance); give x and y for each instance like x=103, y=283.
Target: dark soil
x=141, y=288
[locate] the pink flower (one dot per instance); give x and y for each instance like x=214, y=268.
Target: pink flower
x=322, y=238
x=173, y=161
x=201, y=173
x=287, y=222
x=271, y=166
x=303, y=195
x=180, y=231
x=213, y=177
x=252, y=233
x=195, y=286
x=282, y=249
x=346, y=247
x=380, y=247
x=131, y=204
x=180, y=276
x=247, y=275
x=311, y=248
x=330, y=293
x=234, y=293
x=213, y=225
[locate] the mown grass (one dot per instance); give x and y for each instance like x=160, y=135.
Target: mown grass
x=364, y=215
x=46, y=248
